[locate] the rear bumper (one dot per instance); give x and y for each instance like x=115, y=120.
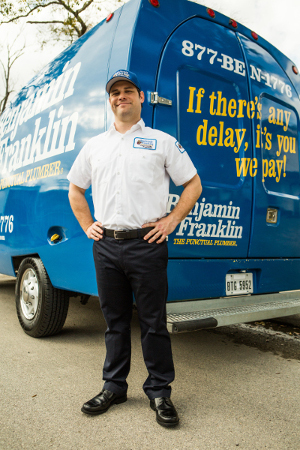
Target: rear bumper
x=200, y=314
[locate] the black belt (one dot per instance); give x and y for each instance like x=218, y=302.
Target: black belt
x=127, y=234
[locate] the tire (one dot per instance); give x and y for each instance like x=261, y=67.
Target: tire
x=41, y=308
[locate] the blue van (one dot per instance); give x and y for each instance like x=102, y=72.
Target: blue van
x=230, y=98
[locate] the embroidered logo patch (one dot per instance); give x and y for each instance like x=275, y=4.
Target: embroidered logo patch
x=146, y=144
x=121, y=73
x=179, y=146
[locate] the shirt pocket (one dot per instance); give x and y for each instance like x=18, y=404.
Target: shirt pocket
x=142, y=165
x=103, y=168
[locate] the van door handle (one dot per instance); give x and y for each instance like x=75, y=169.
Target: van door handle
x=272, y=215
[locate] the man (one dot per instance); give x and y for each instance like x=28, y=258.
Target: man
x=129, y=167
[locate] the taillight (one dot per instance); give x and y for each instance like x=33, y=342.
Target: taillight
x=154, y=3
x=233, y=23
x=254, y=35
x=109, y=17
x=211, y=13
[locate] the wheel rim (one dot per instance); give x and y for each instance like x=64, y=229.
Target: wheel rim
x=29, y=294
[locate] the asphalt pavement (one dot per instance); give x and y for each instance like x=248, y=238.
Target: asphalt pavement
x=228, y=395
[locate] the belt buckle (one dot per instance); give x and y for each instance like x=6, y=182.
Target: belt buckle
x=116, y=233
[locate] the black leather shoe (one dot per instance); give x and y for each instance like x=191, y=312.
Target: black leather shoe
x=102, y=401
x=166, y=414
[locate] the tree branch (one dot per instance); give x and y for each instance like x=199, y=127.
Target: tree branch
x=57, y=21
x=75, y=14
x=86, y=5
x=33, y=9
x=74, y=24
x=47, y=21
x=11, y=59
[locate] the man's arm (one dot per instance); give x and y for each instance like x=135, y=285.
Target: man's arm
x=83, y=214
x=166, y=225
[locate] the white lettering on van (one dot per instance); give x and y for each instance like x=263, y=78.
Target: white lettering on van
x=45, y=141
x=44, y=97
x=55, y=138
x=225, y=227
x=190, y=49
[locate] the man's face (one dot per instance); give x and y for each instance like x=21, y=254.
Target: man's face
x=125, y=101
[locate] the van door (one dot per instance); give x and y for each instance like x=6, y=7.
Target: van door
x=276, y=213
x=202, y=71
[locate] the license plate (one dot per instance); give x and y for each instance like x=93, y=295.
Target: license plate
x=239, y=283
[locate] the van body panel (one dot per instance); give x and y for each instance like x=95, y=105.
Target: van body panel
x=206, y=277
x=276, y=135
x=235, y=110
x=191, y=73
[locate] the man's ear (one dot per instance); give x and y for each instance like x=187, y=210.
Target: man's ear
x=142, y=96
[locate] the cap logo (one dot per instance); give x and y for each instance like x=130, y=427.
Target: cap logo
x=121, y=73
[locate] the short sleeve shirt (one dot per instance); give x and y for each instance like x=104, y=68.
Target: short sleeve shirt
x=130, y=174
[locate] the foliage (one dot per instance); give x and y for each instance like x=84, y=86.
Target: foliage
x=66, y=19
x=11, y=57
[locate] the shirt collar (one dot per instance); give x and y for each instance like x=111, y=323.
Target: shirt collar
x=139, y=125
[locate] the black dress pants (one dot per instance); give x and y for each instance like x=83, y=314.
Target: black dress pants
x=123, y=268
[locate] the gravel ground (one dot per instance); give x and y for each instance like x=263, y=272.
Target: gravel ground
x=279, y=338
x=235, y=387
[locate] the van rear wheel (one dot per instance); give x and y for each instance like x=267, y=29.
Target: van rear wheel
x=41, y=308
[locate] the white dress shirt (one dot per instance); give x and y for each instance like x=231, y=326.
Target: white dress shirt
x=130, y=174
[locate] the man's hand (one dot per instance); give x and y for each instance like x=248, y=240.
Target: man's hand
x=95, y=231
x=162, y=228
x=166, y=225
